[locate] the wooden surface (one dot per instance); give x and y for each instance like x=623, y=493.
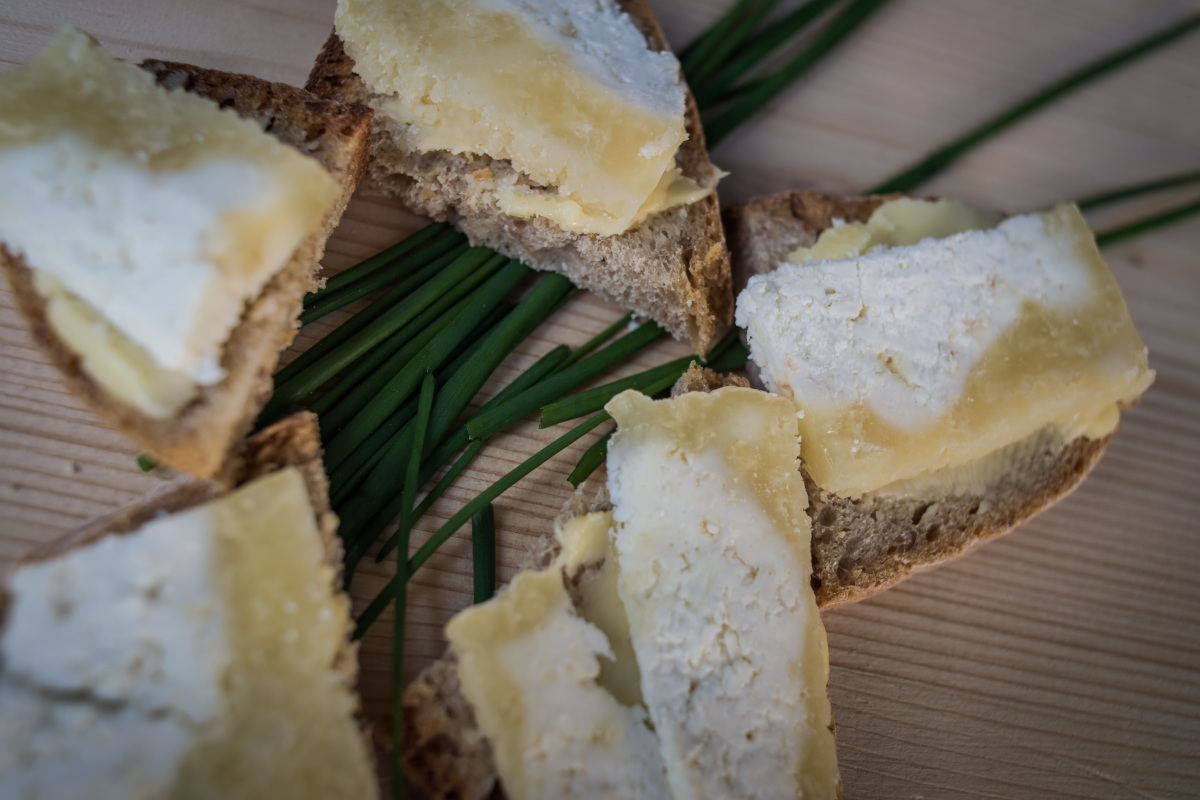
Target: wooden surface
x=1061, y=660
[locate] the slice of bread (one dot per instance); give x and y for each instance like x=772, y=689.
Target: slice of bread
x=862, y=546
x=204, y=438
x=672, y=268
x=293, y=442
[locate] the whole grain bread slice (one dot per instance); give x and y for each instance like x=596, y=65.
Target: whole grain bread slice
x=861, y=546
x=672, y=268
x=206, y=436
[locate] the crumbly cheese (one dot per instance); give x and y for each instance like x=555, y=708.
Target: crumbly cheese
x=713, y=550
x=161, y=212
x=902, y=221
x=528, y=664
x=915, y=358
x=565, y=90
x=589, y=560
x=191, y=658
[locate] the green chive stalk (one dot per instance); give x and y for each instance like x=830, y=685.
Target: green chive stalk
x=372, y=612
x=1127, y=192
x=414, y=271
x=946, y=155
x=717, y=49
x=1147, y=224
x=483, y=553
x=520, y=406
x=591, y=459
x=711, y=92
x=366, y=267
x=438, y=350
x=763, y=91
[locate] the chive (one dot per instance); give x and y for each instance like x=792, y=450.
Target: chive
x=366, y=508
x=385, y=516
x=530, y=313
x=1126, y=192
x=543, y=367
x=405, y=381
x=504, y=414
x=359, y=322
x=1147, y=224
x=736, y=38
x=599, y=339
x=697, y=53
x=146, y=463
x=346, y=478
x=945, y=156
x=411, y=475
x=592, y=400
x=592, y=458
x=757, y=49
x=367, y=365
x=735, y=357
x=483, y=553
x=415, y=270
x=398, y=679
x=371, y=613
x=764, y=90
x=366, y=383
x=366, y=267
x=350, y=341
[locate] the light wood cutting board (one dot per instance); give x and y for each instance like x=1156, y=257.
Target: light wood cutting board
x=1061, y=660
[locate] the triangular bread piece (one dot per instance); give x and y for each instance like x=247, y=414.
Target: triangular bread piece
x=205, y=436
x=861, y=546
x=672, y=268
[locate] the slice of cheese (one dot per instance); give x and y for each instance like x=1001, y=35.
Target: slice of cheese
x=155, y=215
x=565, y=90
x=911, y=359
x=191, y=658
x=712, y=542
x=529, y=666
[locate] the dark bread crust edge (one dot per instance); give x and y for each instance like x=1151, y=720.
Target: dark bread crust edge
x=673, y=267
x=205, y=436
x=866, y=545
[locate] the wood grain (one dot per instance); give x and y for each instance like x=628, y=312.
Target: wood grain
x=1062, y=660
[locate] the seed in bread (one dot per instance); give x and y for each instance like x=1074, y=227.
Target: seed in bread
x=146, y=226
x=948, y=387
x=188, y=647
x=517, y=175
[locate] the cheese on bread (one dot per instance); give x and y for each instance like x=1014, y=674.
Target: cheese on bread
x=151, y=217
x=193, y=657
x=565, y=91
x=910, y=359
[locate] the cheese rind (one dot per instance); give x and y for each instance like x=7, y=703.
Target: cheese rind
x=161, y=211
x=567, y=91
x=714, y=567
x=915, y=358
x=528, y=664
x=191, y=658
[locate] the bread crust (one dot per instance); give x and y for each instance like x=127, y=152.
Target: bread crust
x=673, y=267
x=205, y=437
x=861, y=546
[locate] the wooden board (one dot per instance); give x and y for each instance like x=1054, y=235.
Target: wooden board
x=1061, y=660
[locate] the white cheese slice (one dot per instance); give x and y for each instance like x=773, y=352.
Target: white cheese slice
x=713, y=545
x=915, y=358
x=191, y=658
x=567, y=91
x=161, y=212
x=528, y=664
